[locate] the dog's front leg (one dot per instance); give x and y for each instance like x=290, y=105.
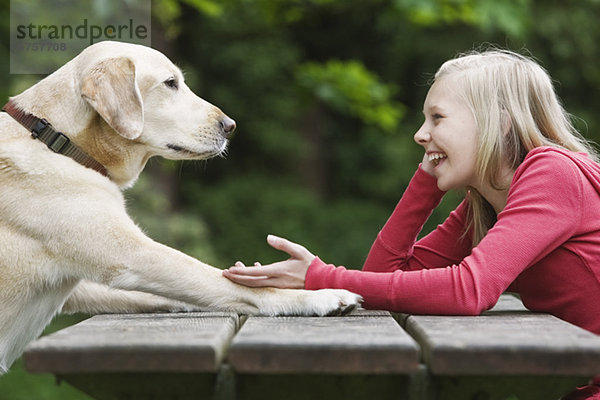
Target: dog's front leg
x=111, y=250
x=158, y=269
x=94, y=298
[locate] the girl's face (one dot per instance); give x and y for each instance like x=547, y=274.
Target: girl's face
x=449, y=136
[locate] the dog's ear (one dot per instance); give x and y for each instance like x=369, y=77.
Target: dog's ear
x=110, y=87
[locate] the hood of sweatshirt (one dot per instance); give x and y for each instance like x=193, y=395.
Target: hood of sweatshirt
x=589, y=168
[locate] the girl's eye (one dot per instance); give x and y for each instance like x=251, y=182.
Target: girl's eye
x=171, y=82
x=437, y=116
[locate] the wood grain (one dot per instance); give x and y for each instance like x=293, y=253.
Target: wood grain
x=194, y=342
x=507, y=340
x=360, y=343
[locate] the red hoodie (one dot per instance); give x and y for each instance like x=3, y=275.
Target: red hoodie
x=545, y=246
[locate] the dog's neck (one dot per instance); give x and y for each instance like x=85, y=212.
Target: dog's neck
x=124, y=159
x=69, y=113
x=55, y=140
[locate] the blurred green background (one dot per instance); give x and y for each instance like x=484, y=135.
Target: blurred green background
x=327, y=95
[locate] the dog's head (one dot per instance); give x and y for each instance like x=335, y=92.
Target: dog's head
x=143, y=97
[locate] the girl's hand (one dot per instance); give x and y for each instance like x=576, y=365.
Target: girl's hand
x=288, y=274
x=427, y=165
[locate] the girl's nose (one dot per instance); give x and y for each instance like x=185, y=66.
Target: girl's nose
x=422, y=137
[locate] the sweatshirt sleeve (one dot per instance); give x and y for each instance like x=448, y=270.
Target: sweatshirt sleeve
x=395, y=248
x=546, y=187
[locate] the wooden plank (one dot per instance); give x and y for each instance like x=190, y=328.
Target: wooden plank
x=365, y=342
x=186, y=342
x=361, y=312
x=507, y=340
x=508, y=303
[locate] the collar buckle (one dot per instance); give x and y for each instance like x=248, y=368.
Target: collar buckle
x=58, y=142
x=40, y=126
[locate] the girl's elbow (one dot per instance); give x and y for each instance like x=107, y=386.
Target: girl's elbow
x=473, y=310
x=478, y=306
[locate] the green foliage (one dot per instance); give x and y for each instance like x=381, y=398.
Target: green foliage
x=167, y=11
x=511, y=17
x=351, y=89
x=179, y=229
x=264, y=206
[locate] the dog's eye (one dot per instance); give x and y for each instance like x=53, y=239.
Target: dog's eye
x=171, y=82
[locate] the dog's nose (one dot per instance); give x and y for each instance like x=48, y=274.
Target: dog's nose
x=227, y=126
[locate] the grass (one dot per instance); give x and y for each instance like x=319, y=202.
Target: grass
x=18, y=384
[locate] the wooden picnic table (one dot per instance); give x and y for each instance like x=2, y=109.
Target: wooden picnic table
x=506, y=353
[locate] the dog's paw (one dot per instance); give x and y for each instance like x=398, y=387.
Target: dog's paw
x=329, y=302
x=310, y=303
x=324, y=302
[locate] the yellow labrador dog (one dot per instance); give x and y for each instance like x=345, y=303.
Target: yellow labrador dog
x=67, y=146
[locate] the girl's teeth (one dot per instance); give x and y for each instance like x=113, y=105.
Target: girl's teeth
x=436, y=156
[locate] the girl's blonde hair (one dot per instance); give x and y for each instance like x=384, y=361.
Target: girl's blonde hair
x=516, y=109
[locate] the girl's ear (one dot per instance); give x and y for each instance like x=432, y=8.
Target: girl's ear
x=506, y=122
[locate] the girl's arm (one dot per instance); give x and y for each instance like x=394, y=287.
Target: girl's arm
x=395, y=247
x=543, y=210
